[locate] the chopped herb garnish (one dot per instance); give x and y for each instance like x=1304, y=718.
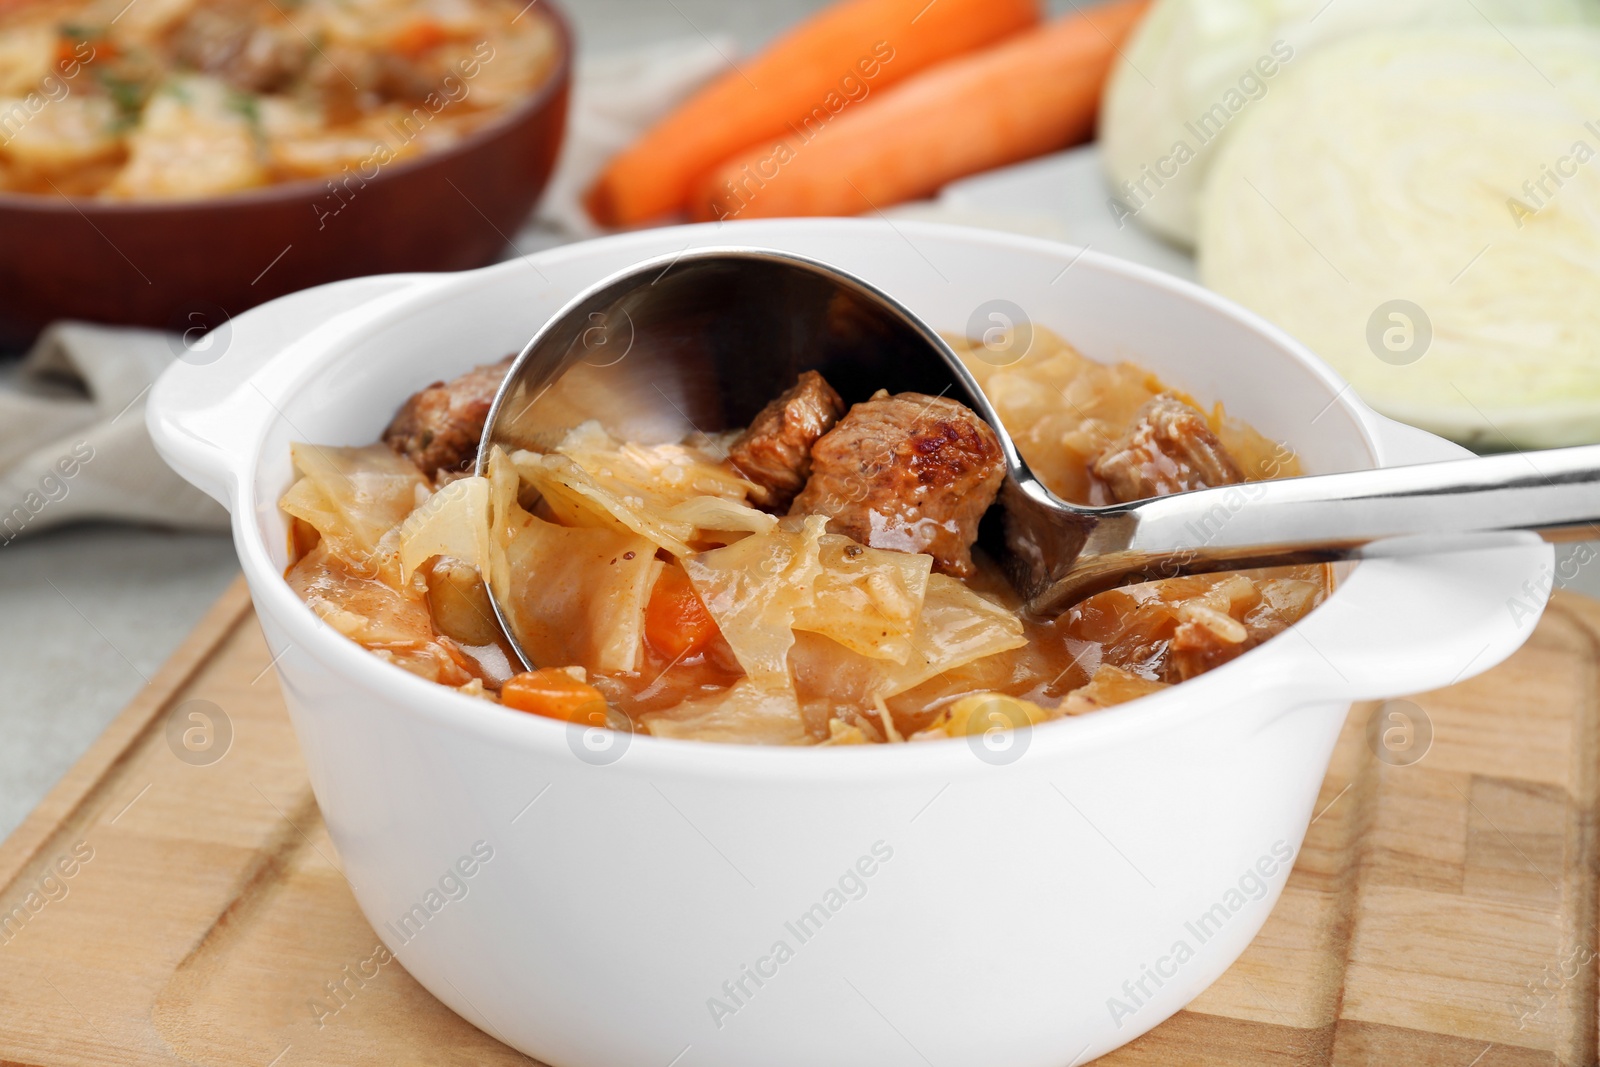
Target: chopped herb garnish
x=246, y=104
x=129, y=96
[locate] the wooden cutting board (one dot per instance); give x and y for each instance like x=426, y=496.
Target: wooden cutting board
x=190, y=910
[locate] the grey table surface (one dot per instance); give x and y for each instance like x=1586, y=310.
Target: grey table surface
x=87, y=614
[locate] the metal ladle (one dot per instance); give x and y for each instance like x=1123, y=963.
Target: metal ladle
x=703, y=340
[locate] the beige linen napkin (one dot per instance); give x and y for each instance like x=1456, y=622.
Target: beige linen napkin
x=72, y=438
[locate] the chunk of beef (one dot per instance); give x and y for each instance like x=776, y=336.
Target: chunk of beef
x=230, y=41
x=910, y=472
x=438, y=429
x=775, y=452
x=1169, y=449
x=398, y=78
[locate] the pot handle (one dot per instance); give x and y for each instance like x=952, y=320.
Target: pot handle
x=190, y=416
x=1399, y=443
x=1401, y=625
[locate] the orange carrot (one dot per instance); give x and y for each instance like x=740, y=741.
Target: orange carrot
x=1035, y=93
x=417, y=36
x=826, y=65
x=555, y=694
x=676, y=621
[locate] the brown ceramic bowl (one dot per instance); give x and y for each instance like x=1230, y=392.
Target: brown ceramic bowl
x=177, y=264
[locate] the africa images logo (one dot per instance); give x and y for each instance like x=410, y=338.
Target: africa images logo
x=850, y=886
x=1252, y=885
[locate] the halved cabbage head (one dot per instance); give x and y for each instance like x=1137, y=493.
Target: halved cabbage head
x=1422, y=209
x=1194, y=68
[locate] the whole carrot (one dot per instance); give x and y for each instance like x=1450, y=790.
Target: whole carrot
x=825, y=66
x=1037, y=92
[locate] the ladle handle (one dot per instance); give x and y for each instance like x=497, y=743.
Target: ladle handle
x=1427, y=507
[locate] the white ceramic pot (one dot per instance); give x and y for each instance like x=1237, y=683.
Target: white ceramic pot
x=1032, y=905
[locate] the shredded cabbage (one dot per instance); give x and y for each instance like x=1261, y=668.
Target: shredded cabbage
x=570, y=595
x=392, y=622
x=956, y=626
x=713, y=517
x=454, y=522
x=671, y=494
x=354, y=497
x=867, y=599
x=677, y=471
x=755, y=588
x=746, y=714
x=577, y=498
x=363, y=609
